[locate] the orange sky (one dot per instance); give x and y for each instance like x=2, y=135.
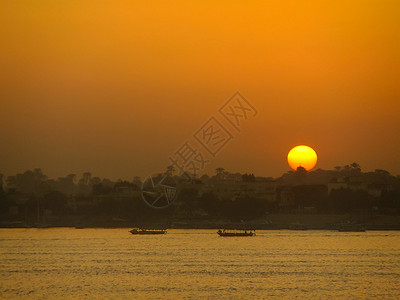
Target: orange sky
x=115, y=87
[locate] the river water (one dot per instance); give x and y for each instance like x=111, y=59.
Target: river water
x=113, y=264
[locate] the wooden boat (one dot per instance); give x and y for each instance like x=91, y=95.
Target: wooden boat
x=147, y=231
x=236, y=232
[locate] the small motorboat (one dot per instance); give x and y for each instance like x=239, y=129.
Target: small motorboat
x=236, y=232
x=147, y=231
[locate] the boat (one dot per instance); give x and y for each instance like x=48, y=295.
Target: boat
x=147, y=231
x=236, y=232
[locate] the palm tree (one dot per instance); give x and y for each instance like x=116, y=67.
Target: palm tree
x=86, y=178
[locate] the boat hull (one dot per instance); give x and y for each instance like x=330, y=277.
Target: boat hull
x=134, y=231
x=233, y=234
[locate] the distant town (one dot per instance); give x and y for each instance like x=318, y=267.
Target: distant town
x=315, y=199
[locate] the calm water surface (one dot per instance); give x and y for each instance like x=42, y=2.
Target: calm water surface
x=113, y=264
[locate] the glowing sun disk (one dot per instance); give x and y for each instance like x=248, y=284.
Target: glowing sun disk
x=302, y=156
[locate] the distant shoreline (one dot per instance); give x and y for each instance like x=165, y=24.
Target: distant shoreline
x=268, y=222
x=216, y=227
x=206, y=228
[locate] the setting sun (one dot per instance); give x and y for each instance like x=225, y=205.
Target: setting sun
x=302, y=156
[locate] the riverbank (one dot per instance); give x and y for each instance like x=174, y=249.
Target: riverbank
x=269, y=222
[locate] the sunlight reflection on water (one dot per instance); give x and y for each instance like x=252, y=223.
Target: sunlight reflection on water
x=113, y=264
